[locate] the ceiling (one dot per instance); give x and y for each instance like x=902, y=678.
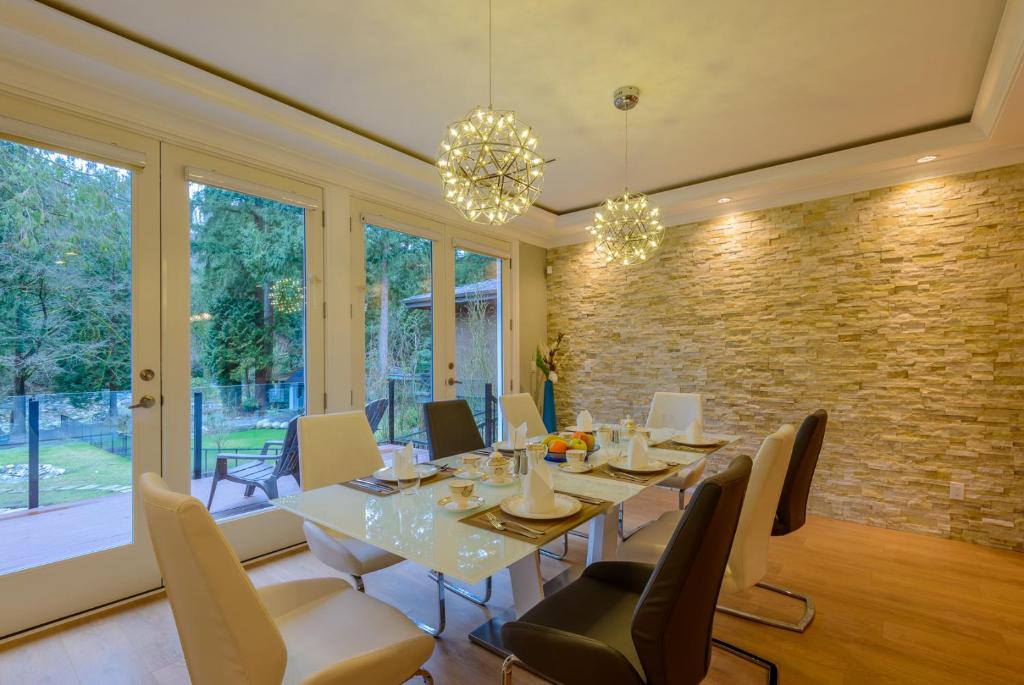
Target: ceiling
x=726, y=85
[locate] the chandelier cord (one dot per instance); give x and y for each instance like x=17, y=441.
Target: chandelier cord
x=626, y=154
x=490, y=55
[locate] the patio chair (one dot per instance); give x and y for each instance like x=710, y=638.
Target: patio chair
x=262, y=470
x=375, y=412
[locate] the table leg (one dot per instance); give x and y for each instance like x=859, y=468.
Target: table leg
x=527, y=584
x=604, y=536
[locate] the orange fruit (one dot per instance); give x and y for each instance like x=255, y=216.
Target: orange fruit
x=558, y=446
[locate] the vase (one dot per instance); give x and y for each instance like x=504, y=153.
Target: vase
x=550, y=422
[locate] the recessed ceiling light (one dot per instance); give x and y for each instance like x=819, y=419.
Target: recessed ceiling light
x=724, y=200
x=927, y=158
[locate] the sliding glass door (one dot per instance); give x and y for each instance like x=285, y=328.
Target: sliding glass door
x=247, y=353
x=433, y=317
x=79, y=366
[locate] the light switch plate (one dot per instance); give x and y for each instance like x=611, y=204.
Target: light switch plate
x=956, y=491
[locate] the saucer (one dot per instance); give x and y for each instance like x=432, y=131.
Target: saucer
x=564, y=506
x=504, y=483
x=468, y=475
x=576, y=468
x=450, y=504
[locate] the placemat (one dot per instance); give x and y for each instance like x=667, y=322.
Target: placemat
x=552, y=530
x=670, y=445
x=370, y=490
x=605, y=471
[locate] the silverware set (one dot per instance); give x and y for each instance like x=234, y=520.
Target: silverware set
x=626, y=476
x=514, y=526
x=586, y=499
x=373, y=485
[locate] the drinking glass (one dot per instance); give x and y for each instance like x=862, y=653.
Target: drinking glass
x=409, y=486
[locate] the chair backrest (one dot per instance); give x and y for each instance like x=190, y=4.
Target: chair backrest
x=288, y=462
x=675, y=410
x=672, y=623
x=375, y=412
x=226, y=633
x=748, y=561
x=451, y=428
x=792, y=510
x=519, y=409
x=334, y=448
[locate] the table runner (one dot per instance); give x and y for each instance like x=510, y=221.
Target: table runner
x=552, y=529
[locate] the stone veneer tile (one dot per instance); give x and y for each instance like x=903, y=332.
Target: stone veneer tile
x=899, y=310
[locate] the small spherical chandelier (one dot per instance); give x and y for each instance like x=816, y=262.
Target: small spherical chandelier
x=627, y=229
x=491, y=170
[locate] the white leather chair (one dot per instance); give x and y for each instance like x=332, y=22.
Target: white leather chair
x=748, y=560
x=317, y=631
x=334, y=448
x=678, y=410
x=520, y=408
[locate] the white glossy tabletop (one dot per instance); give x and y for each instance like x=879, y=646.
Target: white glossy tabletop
x=414, y=527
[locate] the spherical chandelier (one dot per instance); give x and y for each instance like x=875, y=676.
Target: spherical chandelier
x=627, y=229
x=490, y=167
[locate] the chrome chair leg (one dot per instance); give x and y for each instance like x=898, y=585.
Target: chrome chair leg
x=425, y=674
x=565, y=549
x=430, y=630
x=466, y=594
x=773, y=670
x=798, y=627
x=506, y=669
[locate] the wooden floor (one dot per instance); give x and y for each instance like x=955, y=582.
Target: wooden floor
x=892, y=608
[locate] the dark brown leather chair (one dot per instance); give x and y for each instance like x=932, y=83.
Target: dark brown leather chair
x=451, y=428
x=629, y=623
x=792, y=512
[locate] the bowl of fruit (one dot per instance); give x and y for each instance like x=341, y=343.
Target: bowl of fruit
x=559, y=443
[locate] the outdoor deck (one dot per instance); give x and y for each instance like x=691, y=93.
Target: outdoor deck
x=40, y=536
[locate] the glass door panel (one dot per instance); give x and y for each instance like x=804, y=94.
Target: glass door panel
x=248, y=312
x=79, y=380
x=478, y=339
x=398, y=307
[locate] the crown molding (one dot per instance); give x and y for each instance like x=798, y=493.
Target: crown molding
x=50, y=56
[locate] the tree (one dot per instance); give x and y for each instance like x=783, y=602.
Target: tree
x=65, y=274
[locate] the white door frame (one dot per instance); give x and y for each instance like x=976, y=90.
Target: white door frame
x=444, y=240
x=46, y=593
x=256, y=533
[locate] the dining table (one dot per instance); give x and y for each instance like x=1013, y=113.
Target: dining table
x=414, y=527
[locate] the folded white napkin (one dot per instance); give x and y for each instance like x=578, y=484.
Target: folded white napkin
x=519, y=437
x=538, y=493
x=636, y=453
x=695, y=431
x=585, y=422
x=403, y=463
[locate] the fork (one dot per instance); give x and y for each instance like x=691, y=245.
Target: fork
x=502, y=525
x=626, y=476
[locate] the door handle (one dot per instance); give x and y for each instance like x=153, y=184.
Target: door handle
x=452, y=381
x=145, y=402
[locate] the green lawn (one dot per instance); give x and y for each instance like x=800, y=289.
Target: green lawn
x=88, y=465
x=83, y=464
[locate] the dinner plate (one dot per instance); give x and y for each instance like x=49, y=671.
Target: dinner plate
x=564, y=506
x=388, y=473
x=621, y=463
x=577, y=429
x=681, y=440
x=451, y=504
x=575, y=468
x=489, y=480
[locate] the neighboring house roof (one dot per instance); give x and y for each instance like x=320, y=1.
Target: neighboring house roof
x=481, y=291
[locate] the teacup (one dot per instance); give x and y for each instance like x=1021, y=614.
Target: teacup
x=471, y=463
x=499, y=467
x=575, y=458
x=461, y=490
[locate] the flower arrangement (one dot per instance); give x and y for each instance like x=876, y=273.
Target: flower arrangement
x=546, y=355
